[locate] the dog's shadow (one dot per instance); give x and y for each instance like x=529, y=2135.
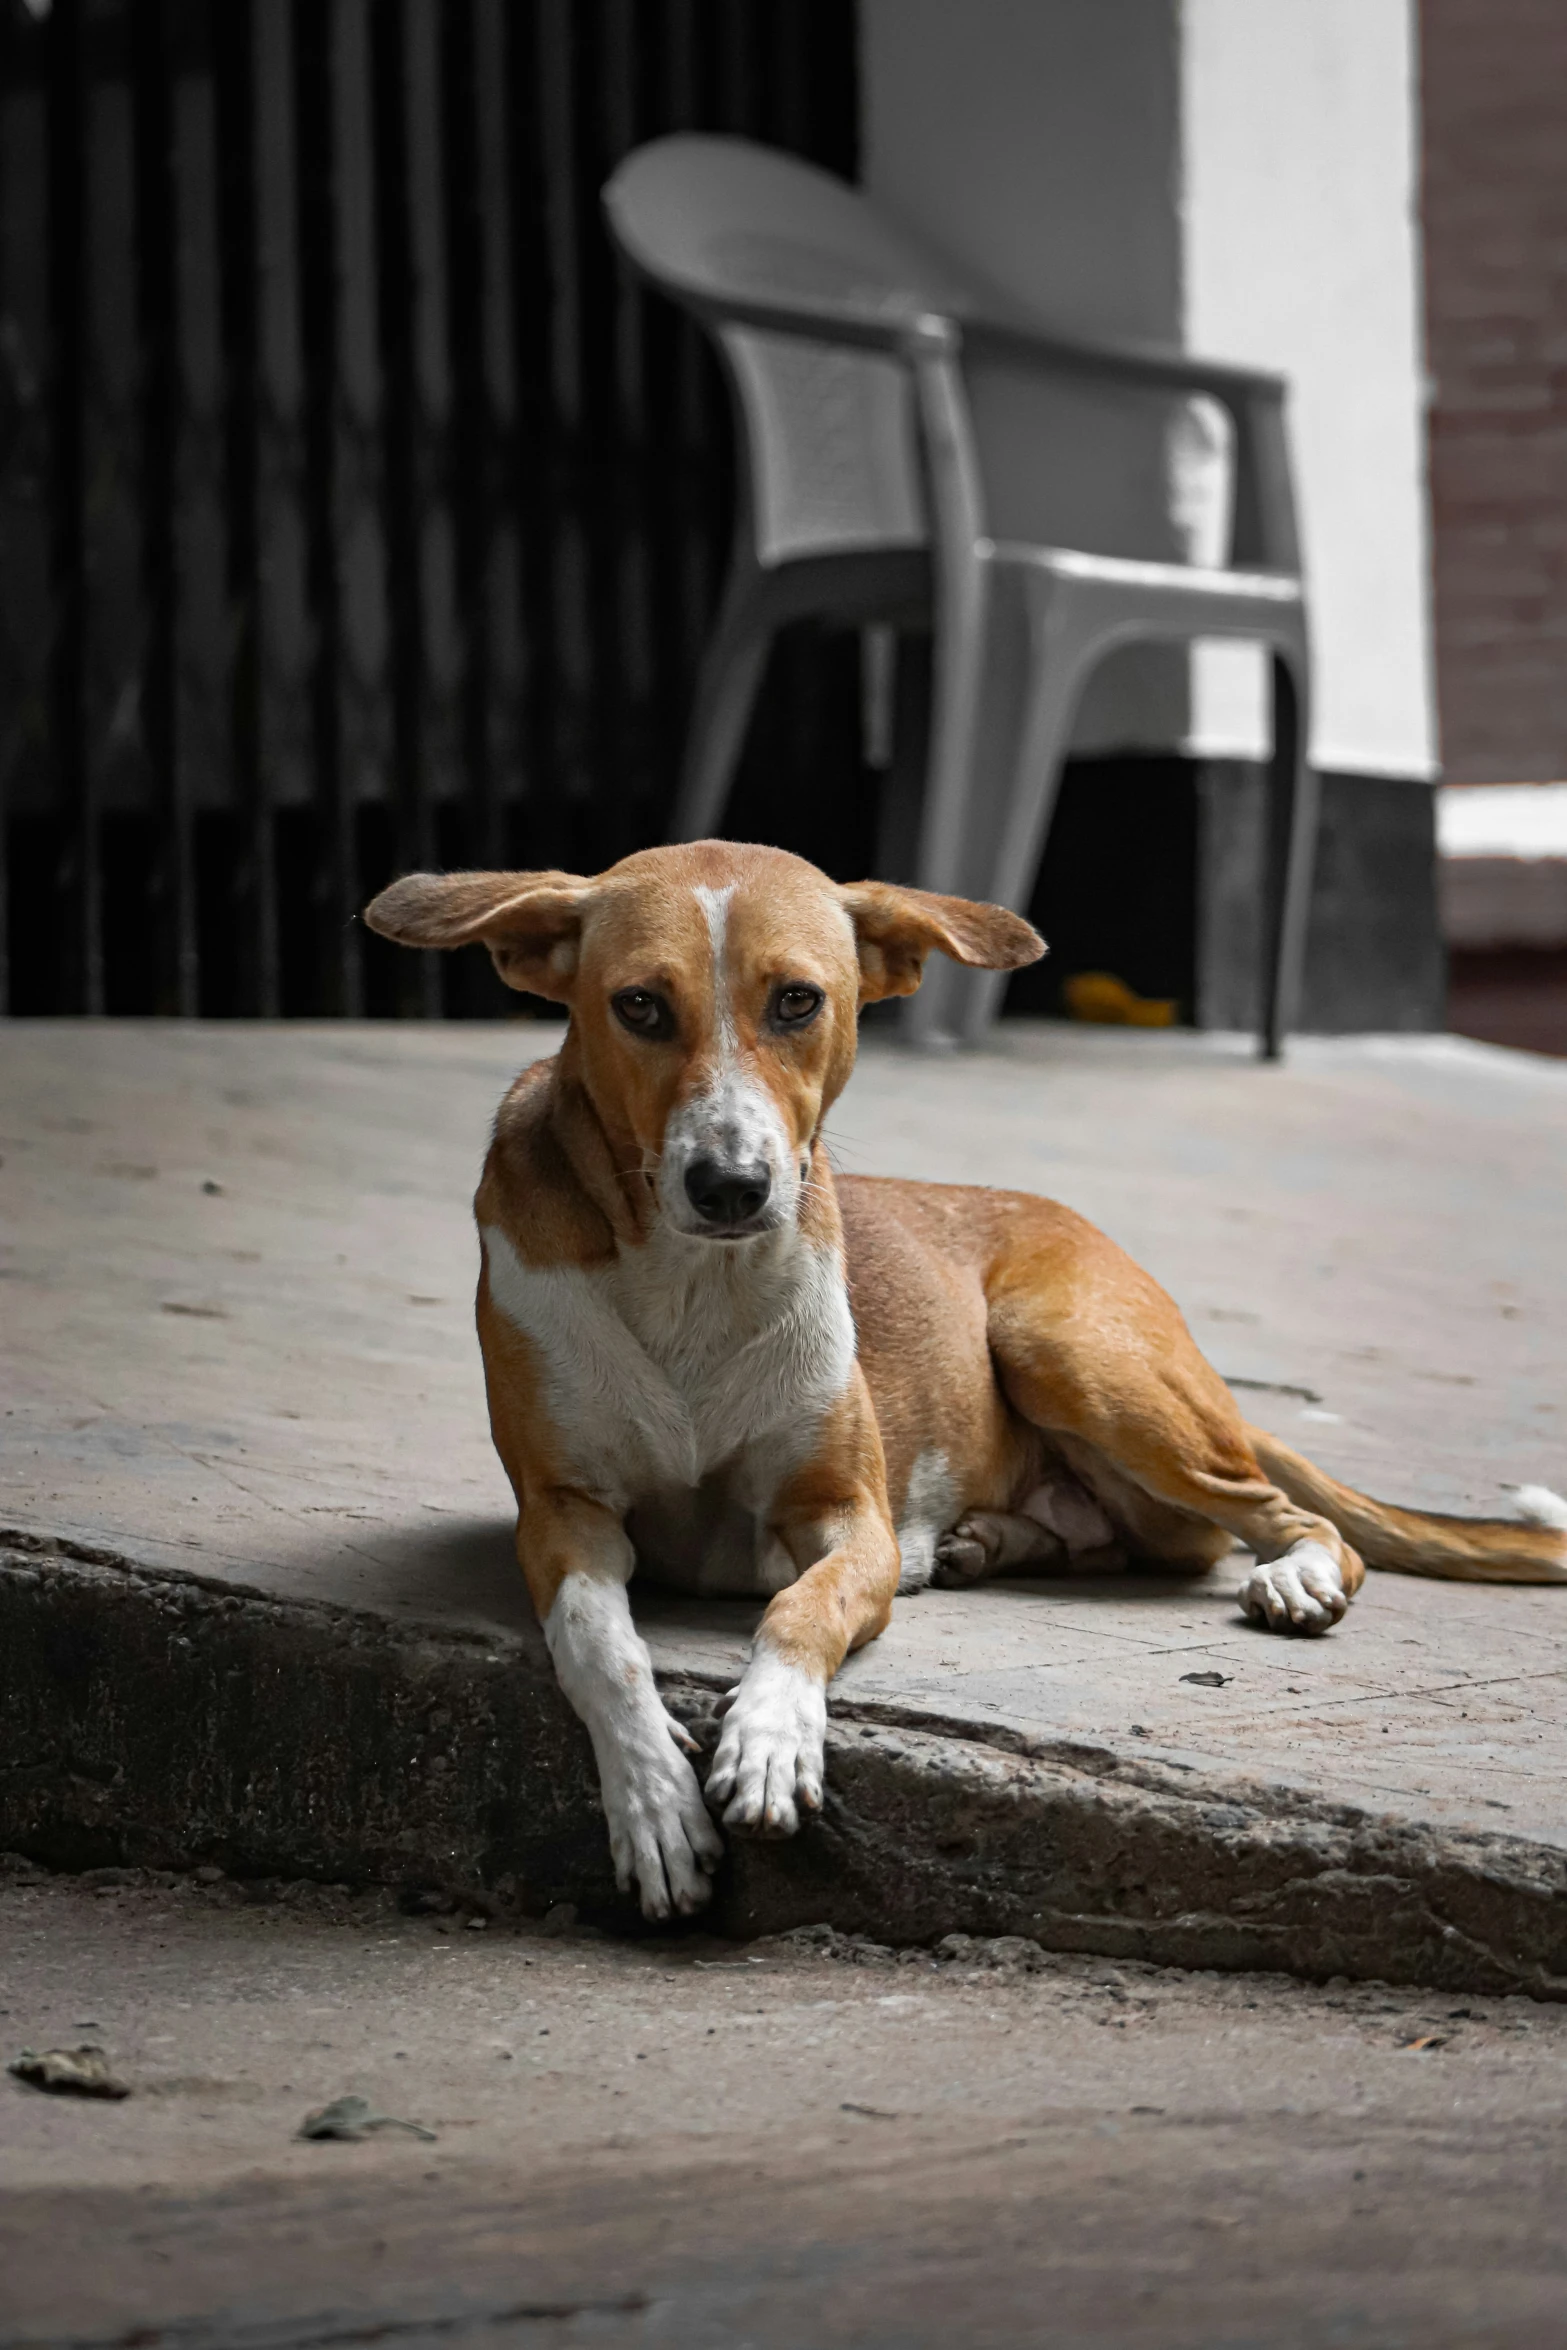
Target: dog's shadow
x=463, y=1573
x=458, y=1572
x=1142, y=1583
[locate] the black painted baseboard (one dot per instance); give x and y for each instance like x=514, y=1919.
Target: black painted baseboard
x=1153, y=872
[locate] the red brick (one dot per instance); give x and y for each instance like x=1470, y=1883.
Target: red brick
x=1494, y=75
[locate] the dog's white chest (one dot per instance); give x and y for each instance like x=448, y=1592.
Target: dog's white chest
x=680, y=1357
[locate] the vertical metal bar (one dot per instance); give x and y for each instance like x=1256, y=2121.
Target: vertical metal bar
x=469, y=423
x=533, y=447
x=829, y=34
x=569, y=766
x=156, y=298
x=787, y=78
x=699, y=421
x=686, y=458
x=556, y=132
x=23, y=153
x=283, y=637
x=364, y=742
x=575, y=748
x=315, y=62
x=8, y=34
x=618, y=135
x=234, y=36
x=504, y=651
x=82, y=875
x=736, y=30
x=204, y=641
x=597, y=476
x=412, y=810
x=629, y=555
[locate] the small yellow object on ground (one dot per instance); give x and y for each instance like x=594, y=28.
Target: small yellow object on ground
x=1101, y=997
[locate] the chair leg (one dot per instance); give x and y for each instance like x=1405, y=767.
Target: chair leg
x=957, y=1005
x=1293, y=798
x=902, y=796
x=727, y=686
x=878, y=694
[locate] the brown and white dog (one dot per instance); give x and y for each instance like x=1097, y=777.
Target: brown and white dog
x=707, y=1357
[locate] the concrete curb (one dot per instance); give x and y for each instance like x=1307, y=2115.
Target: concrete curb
x=155, y=1718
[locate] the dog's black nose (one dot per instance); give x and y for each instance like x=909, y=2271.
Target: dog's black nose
x=725, y=1196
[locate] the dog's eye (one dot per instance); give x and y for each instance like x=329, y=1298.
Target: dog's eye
x=794, y=1006
x=644, y=1013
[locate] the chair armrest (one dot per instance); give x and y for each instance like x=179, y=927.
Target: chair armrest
x=1125, y=363
x=901, y=331
x=1266, y=534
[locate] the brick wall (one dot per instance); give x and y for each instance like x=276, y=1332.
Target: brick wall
x=1494, y=76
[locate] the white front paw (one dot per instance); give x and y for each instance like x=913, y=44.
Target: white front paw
x=771, y=1752
x=661, y=1834
x=1301, y=1592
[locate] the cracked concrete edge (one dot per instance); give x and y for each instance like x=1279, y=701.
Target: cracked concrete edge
x=152, y=1717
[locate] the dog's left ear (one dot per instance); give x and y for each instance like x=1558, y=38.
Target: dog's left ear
x=897, y=928
x=531, y=922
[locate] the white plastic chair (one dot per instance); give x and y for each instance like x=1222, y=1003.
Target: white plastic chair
x=883, y=400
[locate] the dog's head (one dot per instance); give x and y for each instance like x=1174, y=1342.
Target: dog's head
x=713, y=992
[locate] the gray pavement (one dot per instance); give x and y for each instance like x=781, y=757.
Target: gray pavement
x=236, y=1338
x=692, y=2143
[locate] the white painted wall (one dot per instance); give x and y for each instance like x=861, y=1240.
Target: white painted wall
x=1300, y=251
x=1237, y=176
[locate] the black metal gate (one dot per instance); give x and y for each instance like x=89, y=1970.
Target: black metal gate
x=355, y=512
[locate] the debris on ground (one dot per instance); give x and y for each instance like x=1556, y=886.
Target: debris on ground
x=354, y=2118
x=69, y=2072
x=1422, y=2040
x=1014, y=1953
x=1209, y=1680
x=848, y=1949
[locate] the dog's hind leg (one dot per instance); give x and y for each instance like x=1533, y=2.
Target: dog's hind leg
x=1058, y=1525
x=1090, y=1350
x=994, y=1542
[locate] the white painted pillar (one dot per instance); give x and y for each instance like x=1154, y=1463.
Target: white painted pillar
x=1300, y=242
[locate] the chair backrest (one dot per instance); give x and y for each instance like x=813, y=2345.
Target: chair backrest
x=832, y=457
x=831, y=446
x=715, y=220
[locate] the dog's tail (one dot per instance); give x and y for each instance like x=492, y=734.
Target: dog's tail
x=1529, y=1549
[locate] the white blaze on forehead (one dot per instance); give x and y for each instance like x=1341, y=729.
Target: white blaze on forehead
x=733, y=1117
x=715, y=909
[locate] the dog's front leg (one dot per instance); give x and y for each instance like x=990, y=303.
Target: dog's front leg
x=771, y=1750
x=578, y=1562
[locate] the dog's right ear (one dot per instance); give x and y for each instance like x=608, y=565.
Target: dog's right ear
x=531, y=922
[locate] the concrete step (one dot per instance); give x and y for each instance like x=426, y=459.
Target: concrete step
x=162, y=1719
